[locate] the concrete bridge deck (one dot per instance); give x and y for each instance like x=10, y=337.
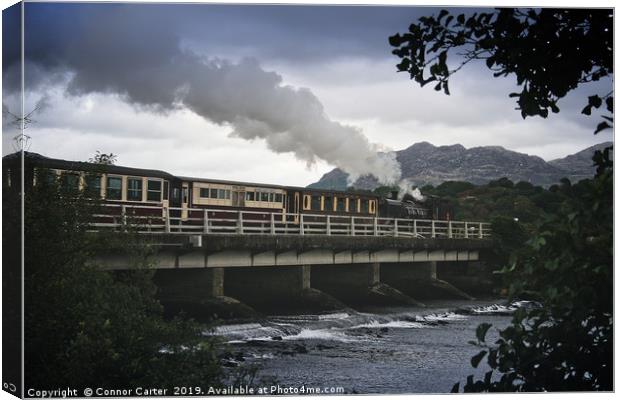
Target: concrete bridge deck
x=225, y=250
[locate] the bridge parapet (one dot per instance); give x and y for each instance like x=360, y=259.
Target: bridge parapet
x=170, y=220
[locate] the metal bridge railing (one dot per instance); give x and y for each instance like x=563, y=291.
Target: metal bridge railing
x=152, y=219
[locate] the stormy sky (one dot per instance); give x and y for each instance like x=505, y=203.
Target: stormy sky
x=276, y=94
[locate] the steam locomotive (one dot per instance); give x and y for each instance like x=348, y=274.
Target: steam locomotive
x=188, y=196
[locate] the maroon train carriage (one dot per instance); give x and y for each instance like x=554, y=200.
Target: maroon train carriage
x=132, y=194
x=347, y=210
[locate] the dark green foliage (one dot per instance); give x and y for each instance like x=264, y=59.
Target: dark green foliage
x=86, y=327
x=501, y=182
x=500, y=198
x=567, y=265
x=452, y=188
x=385, y=191
x=103, y=158
x=524, y=187
x=508, y=236
x=553, y=246
x=549, y=52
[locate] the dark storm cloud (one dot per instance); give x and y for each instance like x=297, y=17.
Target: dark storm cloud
x=136, y=53
x=11, y=35
x=294, y=33
x=304, y=33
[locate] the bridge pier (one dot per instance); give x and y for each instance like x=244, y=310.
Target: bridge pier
x=473, y=277
x=419, y=280
x=199, y=292
x=282, y=289
x=357, y=285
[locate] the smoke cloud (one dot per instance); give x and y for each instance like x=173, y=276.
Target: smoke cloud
x=149, y=68
x=405, y=188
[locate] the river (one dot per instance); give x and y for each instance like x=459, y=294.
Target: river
x=385, y=350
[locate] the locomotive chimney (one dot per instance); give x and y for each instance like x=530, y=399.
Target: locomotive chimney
x=394, y=194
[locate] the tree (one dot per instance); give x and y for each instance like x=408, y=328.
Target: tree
x=567, y=344
x=103, y=158
x=86, y=327
x=549, y=51
x=566, y=264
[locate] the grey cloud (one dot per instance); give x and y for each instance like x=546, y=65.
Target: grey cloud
x=146, y=66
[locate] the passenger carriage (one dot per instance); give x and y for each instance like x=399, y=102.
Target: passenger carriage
x=126, y=193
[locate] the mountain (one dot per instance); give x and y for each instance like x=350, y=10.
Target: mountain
x=579, y=165
x=424, y=163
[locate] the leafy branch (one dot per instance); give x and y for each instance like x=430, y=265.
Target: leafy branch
x=549, y=51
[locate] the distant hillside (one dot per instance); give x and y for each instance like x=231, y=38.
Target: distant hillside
x=579, y=165
x=424, y=163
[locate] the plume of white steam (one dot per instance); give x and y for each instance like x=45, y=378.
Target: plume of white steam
x=417, y=194
x=258, y=106
x=405, y=188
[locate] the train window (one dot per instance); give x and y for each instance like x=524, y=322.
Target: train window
x=264, y=196
x=70, y=181
x=278, y=198
x=153, y=190
x=185, y=195
x=204, y=193
x=93, y=185
x=306, y=202
x=249, y=196
x=114, y=187
x=364, y=204
x=328, y=203
x=134, y=189
x=316, y=203
x=176, y=194
x=340, y=204
x=165, y=190
x=47, y=175
x=371, y=206
x=223, y=194
x=213, y=194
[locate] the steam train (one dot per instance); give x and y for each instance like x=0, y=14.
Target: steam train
x=188, y=196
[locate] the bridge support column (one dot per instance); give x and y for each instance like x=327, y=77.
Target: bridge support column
x=306, y=273
x=190, y=283
x=419, y=279
x=197, y=291
x=474, y=277
x=217, y=281
x=357, y=285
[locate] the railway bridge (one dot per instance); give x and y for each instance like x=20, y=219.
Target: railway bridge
x=225, y=263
